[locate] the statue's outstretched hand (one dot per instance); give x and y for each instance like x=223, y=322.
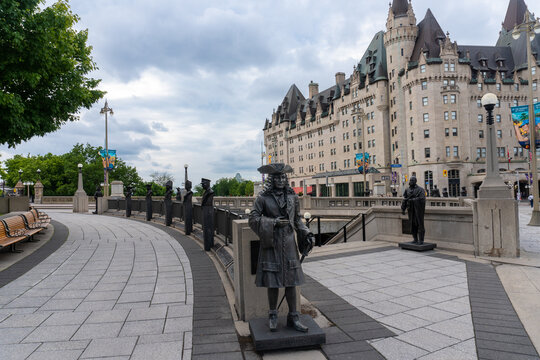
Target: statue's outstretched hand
x=281, y=222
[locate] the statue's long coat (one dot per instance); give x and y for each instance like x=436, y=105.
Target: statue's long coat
x=278, y=264
x=414, y=200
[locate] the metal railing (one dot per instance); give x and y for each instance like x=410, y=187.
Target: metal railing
x=223, y=218
x=344, y=227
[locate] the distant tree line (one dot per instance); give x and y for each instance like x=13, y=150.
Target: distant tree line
x=59, y=173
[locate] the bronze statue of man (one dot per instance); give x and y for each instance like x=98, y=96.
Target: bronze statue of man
x=98, y=194
x=129, y=193
x=149, y=209
x=275, y=218
x=168, y=202
x=414, y=201
x=207, y=204
x=188, y=209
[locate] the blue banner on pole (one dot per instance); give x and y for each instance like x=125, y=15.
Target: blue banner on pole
x=108, y=161
x=520, y=119
x=361, y=161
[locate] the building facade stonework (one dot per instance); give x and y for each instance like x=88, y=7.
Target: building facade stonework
x=413, y=101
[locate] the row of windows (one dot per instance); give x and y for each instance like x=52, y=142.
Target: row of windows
x=501, y=152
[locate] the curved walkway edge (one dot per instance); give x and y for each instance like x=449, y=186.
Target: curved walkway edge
x=59, y=236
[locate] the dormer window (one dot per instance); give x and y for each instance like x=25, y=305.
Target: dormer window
x=483, y=62
x=503, y=74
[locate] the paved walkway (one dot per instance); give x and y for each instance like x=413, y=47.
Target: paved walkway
x=529, y=235
x=436, y=307
x=116, y=288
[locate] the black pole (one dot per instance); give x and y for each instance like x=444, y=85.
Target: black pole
x=345, y=233
x=319, y=231
x=364, y=227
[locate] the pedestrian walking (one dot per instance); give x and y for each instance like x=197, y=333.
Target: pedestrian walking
x=531, y=199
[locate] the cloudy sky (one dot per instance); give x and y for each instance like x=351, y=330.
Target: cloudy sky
x=193, y=81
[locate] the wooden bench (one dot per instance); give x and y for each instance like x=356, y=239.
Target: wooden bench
x=7, y=240
x=41, y=216
x=31, y=222
x=15, y=226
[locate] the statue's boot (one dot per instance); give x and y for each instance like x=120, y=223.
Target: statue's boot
x=293, y=321
x=415, y=237
x=272, y=320
x=421, y=238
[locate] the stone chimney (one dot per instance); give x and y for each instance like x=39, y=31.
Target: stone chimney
x=313, y=89
x=340, y=77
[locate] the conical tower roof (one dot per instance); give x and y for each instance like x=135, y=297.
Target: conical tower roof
x=400, y=7
x=515, y=14
x=429, y=35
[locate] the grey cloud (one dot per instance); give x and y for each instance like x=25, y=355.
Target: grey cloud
x=158, y=126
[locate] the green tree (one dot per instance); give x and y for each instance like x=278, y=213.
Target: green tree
x=231, y=187
x=198, y=190
x=43, y=66
x=59, y=173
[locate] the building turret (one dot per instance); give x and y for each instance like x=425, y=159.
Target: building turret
x=401, y=33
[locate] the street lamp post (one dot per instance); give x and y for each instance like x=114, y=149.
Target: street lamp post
x=185, y=173
x=106, y=110
x=493, y=186
x=530, y=27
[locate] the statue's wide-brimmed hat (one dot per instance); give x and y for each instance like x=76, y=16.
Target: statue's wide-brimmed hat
x=275, y=169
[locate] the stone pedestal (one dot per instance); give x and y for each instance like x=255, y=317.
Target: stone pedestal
x=19, y=187
x=102, y=205
x=80, y=200
x=379, y=189
x=285, y=337
x=38, y=192
x=251, y=302
x=496, y=227
x=117, y=189
x=417, y=247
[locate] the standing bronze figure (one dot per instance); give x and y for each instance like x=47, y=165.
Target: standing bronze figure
x=178, y=194
x=275, y=218
x=414, y=201
x=188, y=209
x=129, y=192
x=98, y=194
x=149, y=194
x=168, y=202
x=208, y=214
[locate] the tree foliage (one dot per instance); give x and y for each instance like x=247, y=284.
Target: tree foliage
x=59, y=173
x=232, y=187
x=43, y=66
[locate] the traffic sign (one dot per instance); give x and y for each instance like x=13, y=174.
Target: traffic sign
x=445, y=173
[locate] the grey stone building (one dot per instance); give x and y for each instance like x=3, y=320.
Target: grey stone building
x=413, y=104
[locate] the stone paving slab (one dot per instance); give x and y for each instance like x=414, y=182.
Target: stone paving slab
x=82, y=301
x=433, y=306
